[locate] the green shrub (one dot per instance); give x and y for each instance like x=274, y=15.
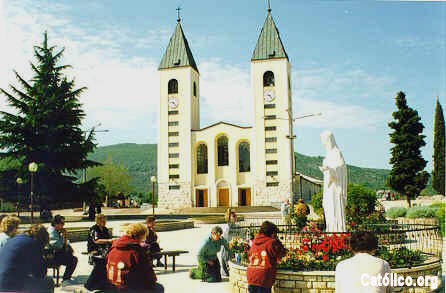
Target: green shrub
x=400, y=257
x=7, y=207
x=441, y=218
x=361, y=202
x=437, y=205
x=396, y=212
x=316, y=202
x=421, y=212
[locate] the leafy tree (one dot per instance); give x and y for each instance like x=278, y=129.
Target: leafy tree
x=438, y=173
x=407, y=176
x=113, y=177
x=44, y=127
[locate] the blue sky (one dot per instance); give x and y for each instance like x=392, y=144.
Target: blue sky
x=348, y=58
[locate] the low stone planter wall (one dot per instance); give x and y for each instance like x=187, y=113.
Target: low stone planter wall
x=425, y=221
x=76, y=234
x=163, y=226
x=322, y=281
x=209, y=220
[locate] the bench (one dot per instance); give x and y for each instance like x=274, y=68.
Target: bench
x=171, y=253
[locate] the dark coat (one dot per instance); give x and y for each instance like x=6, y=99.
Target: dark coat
x=152, y=242
x=94, y=234
x=20, y=257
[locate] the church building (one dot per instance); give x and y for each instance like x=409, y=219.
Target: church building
x=223, y=164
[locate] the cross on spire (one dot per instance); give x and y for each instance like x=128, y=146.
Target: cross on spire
x=269, y=6
x=178, y=14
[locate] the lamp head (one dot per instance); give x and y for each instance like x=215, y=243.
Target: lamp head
x=32, y=167
x=19, y=180
x=153, y=179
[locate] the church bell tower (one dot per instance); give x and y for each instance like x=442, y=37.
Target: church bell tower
x=179, y=113
x=271, y=84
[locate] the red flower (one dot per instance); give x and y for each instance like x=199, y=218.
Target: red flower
x=325, y=258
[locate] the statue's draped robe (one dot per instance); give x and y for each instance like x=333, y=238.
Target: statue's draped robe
x=335, y=186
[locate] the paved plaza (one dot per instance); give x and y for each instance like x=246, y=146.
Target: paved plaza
x=175, y=282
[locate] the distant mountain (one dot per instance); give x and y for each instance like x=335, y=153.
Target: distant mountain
x=372, y=178
x=140, y=159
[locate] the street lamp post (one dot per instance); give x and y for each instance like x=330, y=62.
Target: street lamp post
x=153, y=179
x=84, y=171
x=32, y=167
x=19, y=182
x=292, y=136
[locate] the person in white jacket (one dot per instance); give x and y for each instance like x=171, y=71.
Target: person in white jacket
x=228, y=231
x=356, y=274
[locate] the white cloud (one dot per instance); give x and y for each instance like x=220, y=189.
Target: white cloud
x=123, y=92
x=225, y=93
x=347, y=99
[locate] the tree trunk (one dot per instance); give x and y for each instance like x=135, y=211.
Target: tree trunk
x=408, y=201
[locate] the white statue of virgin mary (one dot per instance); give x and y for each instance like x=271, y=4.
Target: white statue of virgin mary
x=335, y=184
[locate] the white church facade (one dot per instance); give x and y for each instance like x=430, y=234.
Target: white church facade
x=225, y=164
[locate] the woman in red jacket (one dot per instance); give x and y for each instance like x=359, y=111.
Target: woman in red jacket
x=265, y=251
x=128, y=266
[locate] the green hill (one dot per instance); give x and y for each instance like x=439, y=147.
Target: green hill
x=372, y=178
x=140, y=159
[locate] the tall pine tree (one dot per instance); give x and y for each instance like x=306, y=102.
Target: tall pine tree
x=407, y=176
x=44, y=127
x=438, y=173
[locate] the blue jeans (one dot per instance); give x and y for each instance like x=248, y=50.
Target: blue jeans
x=258, y=289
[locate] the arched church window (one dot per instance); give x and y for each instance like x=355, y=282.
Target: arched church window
x=222, y=148
x=195, y=89
x=202, y=159
x=244, y=163
x=268, y=78
x=172, y=86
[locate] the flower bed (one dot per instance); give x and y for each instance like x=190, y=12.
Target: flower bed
x=324, y=281
x=313, y=250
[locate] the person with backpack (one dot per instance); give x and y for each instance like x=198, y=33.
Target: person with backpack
x=264, y=254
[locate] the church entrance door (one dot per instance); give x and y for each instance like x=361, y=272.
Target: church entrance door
x=244, y=197
x=223, y=197
x=201, y=199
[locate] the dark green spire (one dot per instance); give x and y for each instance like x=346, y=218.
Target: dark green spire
x=178, y=53
x=269, y=45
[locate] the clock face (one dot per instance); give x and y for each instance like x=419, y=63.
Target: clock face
x=268, y=95
x=173, y=102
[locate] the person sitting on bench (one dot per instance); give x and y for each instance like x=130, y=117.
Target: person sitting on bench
x=151, y=241
x=98, y=243
x=128, y=268
x=63, y=252
x=22, y=267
